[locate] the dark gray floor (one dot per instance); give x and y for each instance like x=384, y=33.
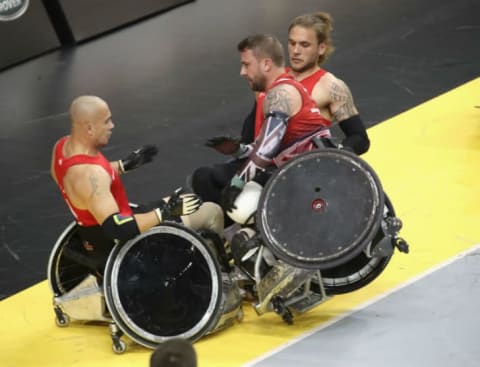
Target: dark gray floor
x=173, y=80
x=432, y=322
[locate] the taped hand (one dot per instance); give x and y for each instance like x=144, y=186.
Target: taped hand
x=180, y=204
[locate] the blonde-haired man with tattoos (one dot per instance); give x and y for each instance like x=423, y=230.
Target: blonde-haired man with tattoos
x=309, y=45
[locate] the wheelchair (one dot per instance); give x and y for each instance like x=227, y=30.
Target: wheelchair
x=320, y=226
x=165, y=283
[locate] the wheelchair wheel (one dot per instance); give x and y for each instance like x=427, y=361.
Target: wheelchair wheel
x=64, y=270
x=165, y=283
x=359, y=271
x=320, y=209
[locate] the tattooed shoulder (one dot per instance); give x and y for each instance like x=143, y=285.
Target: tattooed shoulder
x=278, y=99
x=341, y=100
x=94, y=185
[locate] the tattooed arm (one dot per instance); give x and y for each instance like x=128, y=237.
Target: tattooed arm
x=88, y=187
x=279, y=105
x=283, y=98
x=341, y=101
x=344, y=112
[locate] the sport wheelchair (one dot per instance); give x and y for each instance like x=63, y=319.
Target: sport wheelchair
x=165, y=283
x=320, y=226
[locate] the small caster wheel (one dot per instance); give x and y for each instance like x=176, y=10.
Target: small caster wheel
x=280, y=308
x=62, y=320
x=287, y=317
x=402, y=245
x=119, y=347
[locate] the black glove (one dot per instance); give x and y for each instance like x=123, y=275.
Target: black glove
x=224, y=144
x=180, y=205
x=138, y=158
x=230, y=194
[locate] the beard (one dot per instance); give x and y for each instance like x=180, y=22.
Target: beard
x=307, y=66
x=258, y=84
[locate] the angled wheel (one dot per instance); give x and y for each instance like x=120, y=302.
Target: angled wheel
x=320, y=209
x=64, y=270
x=359, y=271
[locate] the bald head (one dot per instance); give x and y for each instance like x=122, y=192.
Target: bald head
x=85, y=109
x=91, y=121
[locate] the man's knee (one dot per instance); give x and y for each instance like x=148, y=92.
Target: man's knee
x=208, y=216
x=214, y=218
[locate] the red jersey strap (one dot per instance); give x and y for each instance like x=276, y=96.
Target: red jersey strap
x=259, y=114
x=310, y=81
x=282, y=79
x=65, y=163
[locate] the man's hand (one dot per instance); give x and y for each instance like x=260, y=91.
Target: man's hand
x=180, y=204
x=230, y=194
x=138, y=158
x=227, y=145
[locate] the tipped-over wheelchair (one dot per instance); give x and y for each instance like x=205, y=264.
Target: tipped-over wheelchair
x=165, y=283
x=320, y=226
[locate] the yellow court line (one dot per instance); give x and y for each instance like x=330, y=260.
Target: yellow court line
x=427, y=159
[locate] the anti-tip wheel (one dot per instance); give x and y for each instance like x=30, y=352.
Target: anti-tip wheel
x=119, y=347
x=62, y=321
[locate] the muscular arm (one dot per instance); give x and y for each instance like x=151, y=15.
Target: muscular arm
x=343, y=111
x=280, y=103
x=283, y=98
x=88, y=187
x=341, y=100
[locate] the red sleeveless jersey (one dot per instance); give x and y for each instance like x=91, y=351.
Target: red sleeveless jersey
x=307, y=120
x=62, y=164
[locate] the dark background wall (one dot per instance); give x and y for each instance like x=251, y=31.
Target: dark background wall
x=27, y=36
x=50, y=24
x=89, y=18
